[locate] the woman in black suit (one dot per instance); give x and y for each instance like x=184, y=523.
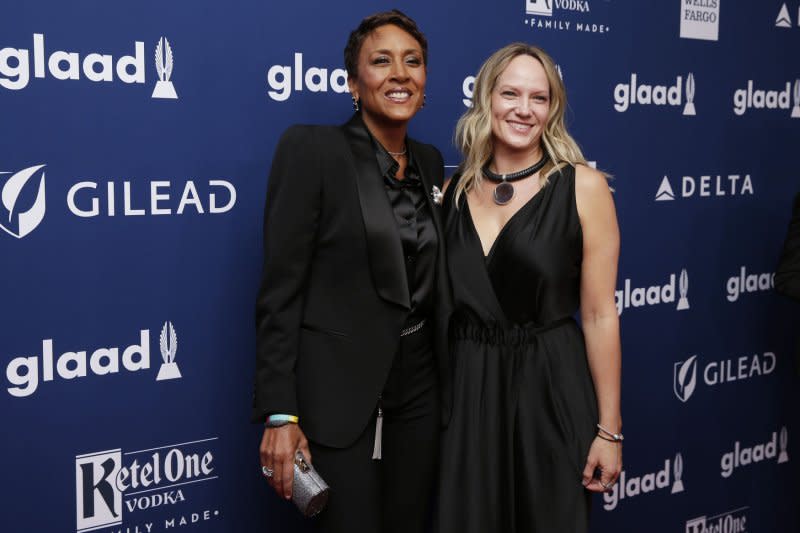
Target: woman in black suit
x=350, y=342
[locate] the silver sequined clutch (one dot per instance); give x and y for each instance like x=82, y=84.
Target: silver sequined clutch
x=309, y=490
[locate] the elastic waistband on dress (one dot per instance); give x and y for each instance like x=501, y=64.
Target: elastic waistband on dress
x=502, y=334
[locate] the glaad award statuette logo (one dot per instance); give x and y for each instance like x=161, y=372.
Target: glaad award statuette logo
x=26, y=221
x=784, y=441
x=164, y=87
x=169, y=346
x=683, y=302
x=677, y=469
x=688, y=109
x=796, y=95
x=685, y=378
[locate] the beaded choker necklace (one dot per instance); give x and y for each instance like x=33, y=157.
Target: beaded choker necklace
x=504, y=191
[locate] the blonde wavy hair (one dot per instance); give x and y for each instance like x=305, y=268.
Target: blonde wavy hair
x=474, y=129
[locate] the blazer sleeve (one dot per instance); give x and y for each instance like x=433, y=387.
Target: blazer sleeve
x=291, y=216
x=787, y=275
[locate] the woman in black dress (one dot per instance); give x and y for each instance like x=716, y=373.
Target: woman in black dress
x=532, y=238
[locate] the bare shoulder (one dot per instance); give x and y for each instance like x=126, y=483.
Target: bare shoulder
x=592, y=194
x=590, y=182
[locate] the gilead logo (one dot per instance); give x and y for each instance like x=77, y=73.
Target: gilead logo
x=685, y=379
x=22, y=219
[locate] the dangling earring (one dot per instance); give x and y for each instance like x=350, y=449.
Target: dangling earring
x=424, y=99
x=355, y=103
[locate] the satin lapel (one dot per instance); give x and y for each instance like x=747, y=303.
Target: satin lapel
x=385, y=250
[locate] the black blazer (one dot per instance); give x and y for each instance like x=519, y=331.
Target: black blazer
x=787, y=275
x=334, y=294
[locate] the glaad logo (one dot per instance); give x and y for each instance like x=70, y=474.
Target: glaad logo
x=282, y=78
x=755, y=454
x=164, y=87
x=468, y=87
x=142, y=480
x=706, y=186
x=718, y=372
x=23, y=372
x=635, y=93
x=734, y=521
x=21, y=223
x=744, y=282
x=628, y=487
x=700, y=19
x=751, y=98
x=15, y=66
x=630, y=296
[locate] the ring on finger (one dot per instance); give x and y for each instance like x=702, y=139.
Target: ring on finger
x=267, y=471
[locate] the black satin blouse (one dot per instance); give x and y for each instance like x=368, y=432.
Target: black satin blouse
x=415, y=225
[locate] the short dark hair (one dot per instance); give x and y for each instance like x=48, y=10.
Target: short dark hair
x=370, y=24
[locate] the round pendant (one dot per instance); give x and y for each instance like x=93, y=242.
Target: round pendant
x=503, y=193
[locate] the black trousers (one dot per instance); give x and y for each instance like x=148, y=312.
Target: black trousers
x=394, y=494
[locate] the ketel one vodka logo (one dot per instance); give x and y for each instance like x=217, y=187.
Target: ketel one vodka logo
x=743, y=456
x=16, y=63
x=734, y=521
x=636, y=93
x=669, y=477
x=20, y=217
x=110, y=483
x=630, y=296
x=25, y=373
x=754, y=98
x=685, y=375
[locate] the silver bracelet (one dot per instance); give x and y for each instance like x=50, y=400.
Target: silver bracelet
x=616, y=437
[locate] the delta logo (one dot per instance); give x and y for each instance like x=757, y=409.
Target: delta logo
x=705, y=186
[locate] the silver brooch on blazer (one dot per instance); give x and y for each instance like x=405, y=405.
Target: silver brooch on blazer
x=436, y=195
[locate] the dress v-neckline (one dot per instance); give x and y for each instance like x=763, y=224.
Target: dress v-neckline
x=487, y=257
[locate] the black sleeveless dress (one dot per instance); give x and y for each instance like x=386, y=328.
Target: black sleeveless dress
x=524, y=407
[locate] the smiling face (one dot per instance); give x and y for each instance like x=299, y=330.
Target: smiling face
x=391, y=77
x=520, y=105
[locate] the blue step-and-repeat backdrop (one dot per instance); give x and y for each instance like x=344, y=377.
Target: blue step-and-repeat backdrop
x=136, y=143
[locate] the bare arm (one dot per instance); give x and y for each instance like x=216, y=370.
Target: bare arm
x=599, y=314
